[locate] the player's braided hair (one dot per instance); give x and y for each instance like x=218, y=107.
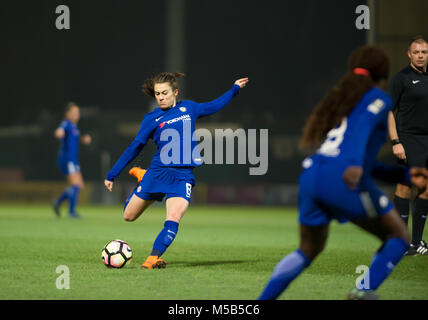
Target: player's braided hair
x=344, y=96
x=148, y=86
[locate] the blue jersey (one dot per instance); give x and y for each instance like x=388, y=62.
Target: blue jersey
x=69, y=147
x=359, y=137
x=172, y=130
x=323, y=194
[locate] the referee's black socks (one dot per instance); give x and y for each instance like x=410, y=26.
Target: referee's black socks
x=419, y=217
x=402, y=206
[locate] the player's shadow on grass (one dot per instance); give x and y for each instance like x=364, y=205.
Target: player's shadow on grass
x=207, y=263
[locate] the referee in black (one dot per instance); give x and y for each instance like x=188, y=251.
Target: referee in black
x=408, y=131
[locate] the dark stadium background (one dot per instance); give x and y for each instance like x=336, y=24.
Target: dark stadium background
x=292, y=51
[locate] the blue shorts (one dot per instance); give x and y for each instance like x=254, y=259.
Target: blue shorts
x=323, y=196
x=68, y=167
x=170, y=182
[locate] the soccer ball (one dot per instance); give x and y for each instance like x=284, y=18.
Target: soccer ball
x=116, y=254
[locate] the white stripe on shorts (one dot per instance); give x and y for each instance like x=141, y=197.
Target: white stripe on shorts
x=71, y=167
x=368, y=204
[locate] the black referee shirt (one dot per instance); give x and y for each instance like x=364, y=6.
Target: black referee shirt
x=409, y=91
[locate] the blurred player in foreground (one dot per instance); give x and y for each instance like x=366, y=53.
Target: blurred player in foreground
x=350, y=122
x=171, y=127
x=68, y=158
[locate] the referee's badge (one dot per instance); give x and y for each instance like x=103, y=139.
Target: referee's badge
x=183, y=109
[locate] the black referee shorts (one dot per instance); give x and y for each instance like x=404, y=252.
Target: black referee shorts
x=416, y=149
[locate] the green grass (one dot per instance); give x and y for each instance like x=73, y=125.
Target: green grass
x=219, y=253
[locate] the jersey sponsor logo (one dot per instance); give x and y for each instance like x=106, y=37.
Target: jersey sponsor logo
x=415, y=81
x=158, y=119
x=376, y=106
x=139, y=189
x=183, y=109
x=185, y=117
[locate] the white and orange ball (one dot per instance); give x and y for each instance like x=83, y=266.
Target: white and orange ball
x=116, y=254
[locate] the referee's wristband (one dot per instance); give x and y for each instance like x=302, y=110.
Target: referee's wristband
x=395, y=141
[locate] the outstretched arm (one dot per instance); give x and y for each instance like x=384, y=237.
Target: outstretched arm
x=209, y=108
x=127, y=156
x=393, y=174
x=130, y=153
x=60, y=132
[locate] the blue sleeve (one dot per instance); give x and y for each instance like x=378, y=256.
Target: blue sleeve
x=374, y=113
x=391, y=174
x=208, y=108
x=132, y=151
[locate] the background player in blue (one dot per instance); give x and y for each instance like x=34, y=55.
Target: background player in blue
x=170, y=174
x=337, y=181
x=68, y=158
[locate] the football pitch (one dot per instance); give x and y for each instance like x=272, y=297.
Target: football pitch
x=220, y=253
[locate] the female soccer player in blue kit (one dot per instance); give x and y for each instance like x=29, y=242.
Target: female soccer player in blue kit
x=68, y=158
x=337, y=181
x=170, y=174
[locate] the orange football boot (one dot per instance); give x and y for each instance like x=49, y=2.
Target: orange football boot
x=154, y=262
x=138, y=173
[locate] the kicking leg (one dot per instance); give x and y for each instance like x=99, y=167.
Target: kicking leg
x=134, y=207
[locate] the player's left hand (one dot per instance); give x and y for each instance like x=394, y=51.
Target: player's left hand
x=86, y=139
x=242, y=82
x=352, y=176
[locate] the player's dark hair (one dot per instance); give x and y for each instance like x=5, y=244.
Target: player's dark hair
x=344, y=96
x=148, y=86
x=417, y=39
x=68, y=105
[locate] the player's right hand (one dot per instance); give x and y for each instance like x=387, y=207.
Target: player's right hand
x=352, y=176
x=109, y=185
x=398, y=151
